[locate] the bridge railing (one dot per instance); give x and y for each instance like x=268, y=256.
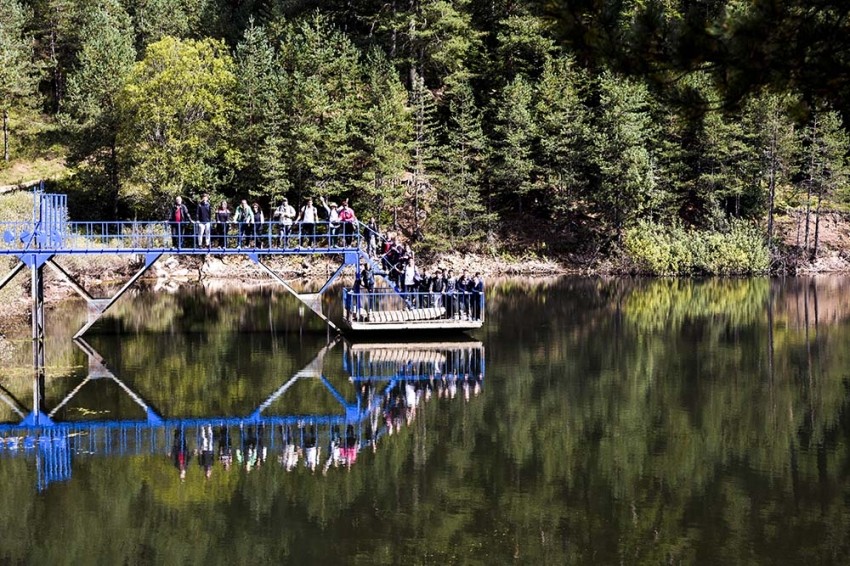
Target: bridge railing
x=386, y=305
x=94, y=237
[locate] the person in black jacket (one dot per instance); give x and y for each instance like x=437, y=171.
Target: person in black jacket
x=438, y=286
x=476, y=289
x=462, y=289
x=180, y=222
x=367, y=282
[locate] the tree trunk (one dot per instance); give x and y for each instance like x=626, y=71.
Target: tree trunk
x=772, y=187
x=394, y=35
x=811, y=180
x=817, y=229
x=113, y=177
x=5, y=134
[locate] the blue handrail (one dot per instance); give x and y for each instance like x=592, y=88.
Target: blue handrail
x=184, y=237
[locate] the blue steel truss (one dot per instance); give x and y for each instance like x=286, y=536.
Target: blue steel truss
x=54, y=443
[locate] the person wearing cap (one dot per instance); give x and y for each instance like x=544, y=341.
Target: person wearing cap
x=285, y=214
x=333, y=221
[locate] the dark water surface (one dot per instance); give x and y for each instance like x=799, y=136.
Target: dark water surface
x=601, y=422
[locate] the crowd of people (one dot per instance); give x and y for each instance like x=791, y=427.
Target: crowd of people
x=248, y=226
x=459, y=297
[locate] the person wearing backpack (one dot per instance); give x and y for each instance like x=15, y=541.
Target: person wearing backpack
x=245, y=219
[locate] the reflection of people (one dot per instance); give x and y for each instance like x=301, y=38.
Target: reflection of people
x=225, y=448
x=349, y=450
x=180, y=452
x=254, y=453
x=206, y=456
x=291, y=452
x=334, y=450
x=312, y=451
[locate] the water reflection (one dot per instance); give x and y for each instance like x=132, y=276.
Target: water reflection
x=388, y=384
x=623, y=422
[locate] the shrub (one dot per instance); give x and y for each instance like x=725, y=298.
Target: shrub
x=672, y=250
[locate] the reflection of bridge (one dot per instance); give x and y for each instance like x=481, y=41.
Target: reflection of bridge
x=54, y=443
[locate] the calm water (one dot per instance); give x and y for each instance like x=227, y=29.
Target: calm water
x=602, y=422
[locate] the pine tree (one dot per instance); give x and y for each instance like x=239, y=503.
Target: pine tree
x=322, y=95
x=515, y=135
x=458, y=215
x=155, y=19
x=622, y=152
x=387, y=133
x=426, y=132
x=18, y=73
x=259, y=125
x=105, y=60
x=825, y=166
x=447, y=42
x=774, y=142
x=563, y=121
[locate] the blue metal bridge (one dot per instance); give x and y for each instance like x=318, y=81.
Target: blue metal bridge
x=50, y=235
x=383, y=377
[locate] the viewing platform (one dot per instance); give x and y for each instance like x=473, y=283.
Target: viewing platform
x=387, y=308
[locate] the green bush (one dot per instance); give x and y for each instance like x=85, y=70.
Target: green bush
x=672, y=250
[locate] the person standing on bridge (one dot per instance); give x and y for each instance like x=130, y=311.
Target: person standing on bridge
x=476, y=290
x=349, y=224
x=259, y=226
x=333, y=221
x=245, y=219
x=307, y=222
x=203, y=215
x=222, y=221
x=367, y=282
x=179, y=220
x=285, y=214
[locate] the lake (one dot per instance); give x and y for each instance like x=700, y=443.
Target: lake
x=590, y=421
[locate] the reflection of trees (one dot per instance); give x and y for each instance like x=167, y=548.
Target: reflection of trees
x=621, y=423
x=652, y=414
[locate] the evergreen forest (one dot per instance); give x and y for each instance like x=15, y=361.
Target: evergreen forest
x=671, y=132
